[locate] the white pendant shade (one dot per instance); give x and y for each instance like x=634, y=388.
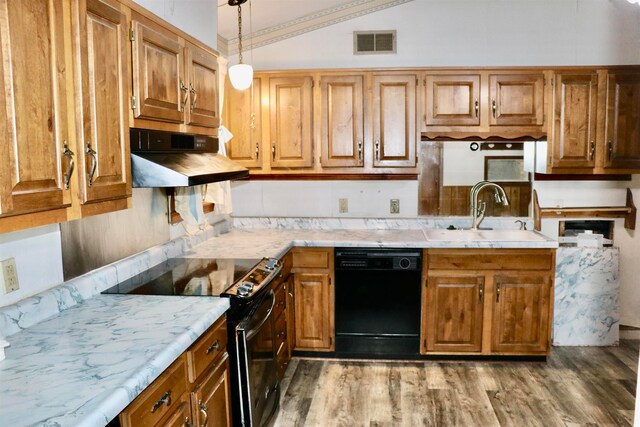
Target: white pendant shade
x=241, y=76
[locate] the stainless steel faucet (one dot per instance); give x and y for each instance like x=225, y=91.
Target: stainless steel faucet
x=477, y=212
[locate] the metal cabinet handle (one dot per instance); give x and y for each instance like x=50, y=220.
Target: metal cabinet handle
x=194, y=96
x=215, y=346
x=187, y=423
x=498, y=292
x=273, y=150
x=377, y=149
x=280, y=334
x=494, y=108
x=164, y=400
x=610, y=149
x=184, y=89
x=477, y=107
x=94, y=164
x=592, y=150
x=203, y=412
x=257, y=150
x=360, y=150
x=481, y=291
x=69, y=155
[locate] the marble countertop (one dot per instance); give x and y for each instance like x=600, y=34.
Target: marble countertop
x=259, y=242
x=86, y=364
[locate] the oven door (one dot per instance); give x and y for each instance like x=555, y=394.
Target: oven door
x=259, y=386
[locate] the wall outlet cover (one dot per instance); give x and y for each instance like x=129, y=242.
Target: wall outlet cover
x=343, y=205
x=9, y=276
x=394, y=207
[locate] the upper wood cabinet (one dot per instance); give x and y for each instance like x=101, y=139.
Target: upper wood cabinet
x=160, y=86
x=342, y=121
x=516, y=99
x=35, y=157
x=575, y=104
x=622, y=149
x=394, y=120
x=174, y=81
x=452, y=99
x=244, y=119
x=291, y=120
x=100, y=55
x=202, y=70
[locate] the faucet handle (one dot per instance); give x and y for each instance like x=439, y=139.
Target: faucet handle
x=481, y=211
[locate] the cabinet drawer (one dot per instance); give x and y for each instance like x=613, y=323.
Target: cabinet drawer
x=160, y=399
x=281, y=301
x=311, y=258
x=281, y=330
x=207, y=349
x=490, y=260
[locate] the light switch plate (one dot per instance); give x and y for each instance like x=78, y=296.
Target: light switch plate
x=394, y=206
x=9, y=276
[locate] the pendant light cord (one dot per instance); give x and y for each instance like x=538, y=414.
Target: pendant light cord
x=240, y=33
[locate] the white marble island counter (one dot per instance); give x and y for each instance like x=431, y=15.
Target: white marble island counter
x=259, y=242
x=85, y=365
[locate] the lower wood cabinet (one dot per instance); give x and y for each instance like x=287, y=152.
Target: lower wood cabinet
x=314, y=299
x=193, y=391
x=487, y=301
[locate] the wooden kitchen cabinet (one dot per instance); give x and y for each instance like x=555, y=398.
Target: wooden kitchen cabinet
x=487, y=301
x=452, y=99
x=394, y=120
x=622, y=149
x=35, y=156
x=244, y=119
x=314, y=299
x=575, y=107
x=342, y=121
x=521, y=313
x=291, y=121
x=516, y=99
x=100, y=55
x=174, y=80
x=454, y=313
x=194, y=390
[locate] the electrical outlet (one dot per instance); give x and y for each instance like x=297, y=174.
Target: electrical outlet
x=9, y=276
x=343, y=205
x=395, y=206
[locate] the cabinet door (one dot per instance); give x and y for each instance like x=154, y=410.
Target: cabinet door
x=244, y=119
x=452, y=100
x=202, y=68
x=516, y=99
x=574, y=127
x=521, y=313
x=394, y=120
x=623, y=121
x=211, y=399
x=34, y=172
x=342, y=121
x=291, y=111
x=159, y=83
x=454, y=307
x=314, y=312
x=100, y=54
x=291, y=315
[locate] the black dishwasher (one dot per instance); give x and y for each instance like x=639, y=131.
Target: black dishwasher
x=377, y=305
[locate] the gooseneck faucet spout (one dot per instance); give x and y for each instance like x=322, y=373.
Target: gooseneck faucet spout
x=478, y=211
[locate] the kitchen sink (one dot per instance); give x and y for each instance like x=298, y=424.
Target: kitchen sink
x=444, y=235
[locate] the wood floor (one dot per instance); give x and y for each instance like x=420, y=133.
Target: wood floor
x=577, y=386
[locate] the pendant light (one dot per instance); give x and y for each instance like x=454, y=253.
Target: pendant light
x=241, y=75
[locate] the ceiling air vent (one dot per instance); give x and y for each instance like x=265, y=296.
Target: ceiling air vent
x=368, y=42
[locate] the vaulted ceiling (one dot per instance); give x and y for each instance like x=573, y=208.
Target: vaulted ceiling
x=268, y=21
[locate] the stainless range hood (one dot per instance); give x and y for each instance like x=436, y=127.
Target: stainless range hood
x=165, y=159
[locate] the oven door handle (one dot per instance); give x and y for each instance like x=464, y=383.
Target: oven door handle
x=252, y=332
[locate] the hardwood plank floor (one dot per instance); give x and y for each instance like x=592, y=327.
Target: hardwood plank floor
x=577, y=386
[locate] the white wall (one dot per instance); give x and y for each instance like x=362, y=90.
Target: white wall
x=198, y=18
x=466, y=33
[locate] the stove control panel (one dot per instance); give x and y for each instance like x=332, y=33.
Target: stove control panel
x=259, y=277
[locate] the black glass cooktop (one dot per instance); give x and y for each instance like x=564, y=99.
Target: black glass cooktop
x=187, y=276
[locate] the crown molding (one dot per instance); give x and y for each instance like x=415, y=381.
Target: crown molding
x=307, y=23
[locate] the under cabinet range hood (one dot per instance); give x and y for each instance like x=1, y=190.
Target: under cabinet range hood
x=165, y=159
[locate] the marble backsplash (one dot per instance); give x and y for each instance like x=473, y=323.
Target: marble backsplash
x=33, y=310
x=374, y=223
